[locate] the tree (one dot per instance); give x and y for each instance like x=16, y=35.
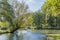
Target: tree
x=38, y=19
x=6, y=13
x=53, y=6
x=52, y=21
x=58, y=21
x=51, y=10
x=19, y=9
x=26, y=20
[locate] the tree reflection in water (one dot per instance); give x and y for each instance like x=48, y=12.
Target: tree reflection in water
x=28, y=35
x=23, y=35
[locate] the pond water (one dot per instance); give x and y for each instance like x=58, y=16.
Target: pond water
x=28, y=35
x=23, y=35
x=5, y=36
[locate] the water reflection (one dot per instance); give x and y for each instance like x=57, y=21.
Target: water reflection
x=28, y=35
x=23, y=35
x=5, y=37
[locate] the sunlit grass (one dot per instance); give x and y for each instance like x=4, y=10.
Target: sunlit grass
x=54, y=35
x=47, y=31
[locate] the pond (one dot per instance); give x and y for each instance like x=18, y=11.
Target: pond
x=23, y=35
x=28, y=35
x=5, y=36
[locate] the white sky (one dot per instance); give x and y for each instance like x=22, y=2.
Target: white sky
x=34, y=5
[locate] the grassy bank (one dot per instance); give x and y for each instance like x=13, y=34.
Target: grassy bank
x=51, y=34
x=47, y=31
x=53, y=37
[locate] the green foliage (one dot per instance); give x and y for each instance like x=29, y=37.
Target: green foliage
x=52, y=21
x=52, y=10
x=11, y=18
x=38, y=19
x=6, y=14
x=58, y=20
x=21, y=14
x=4, y=24
x=6, y=11
x=53, y=5
x=25, y=20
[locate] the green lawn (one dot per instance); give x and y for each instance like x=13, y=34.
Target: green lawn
x=54, y=36
x=47, y=31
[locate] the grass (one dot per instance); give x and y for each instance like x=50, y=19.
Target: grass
x=52, y=34
x=47, y=31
